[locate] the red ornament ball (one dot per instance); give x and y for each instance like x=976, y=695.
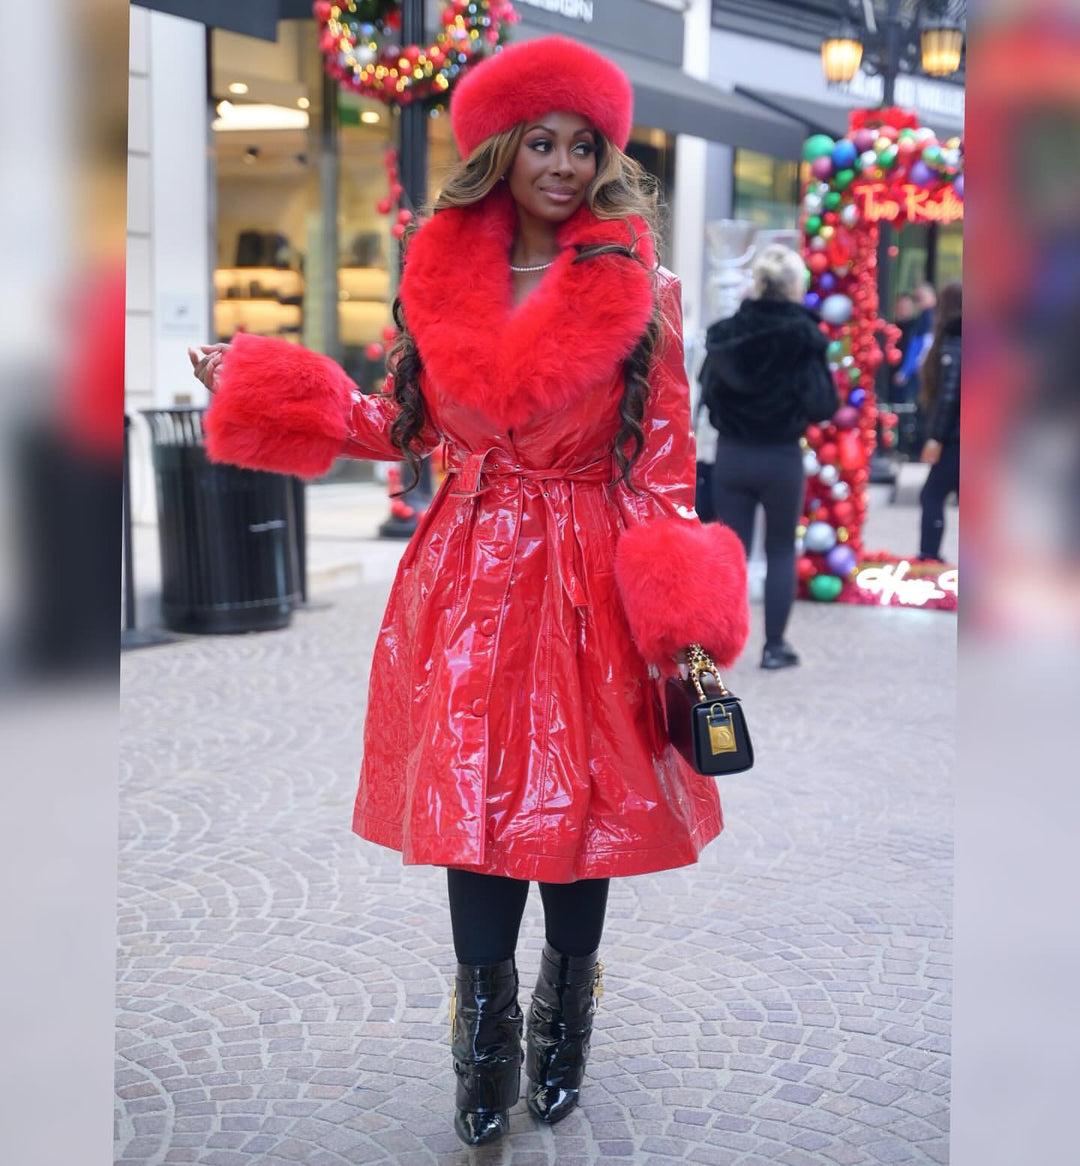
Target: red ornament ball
x=818, y=262
x=397, y=230
x=813, y=436
x=389, y=333
x=805, y=568
x=383, y=206
x=321, y=9
x=404, y=216
x=828, y=454
x=374, y=351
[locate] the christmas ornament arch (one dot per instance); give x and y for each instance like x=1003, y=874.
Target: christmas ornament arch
x=887, y=168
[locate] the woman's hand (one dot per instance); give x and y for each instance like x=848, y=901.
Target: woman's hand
x=206, y=367
x=931, y=453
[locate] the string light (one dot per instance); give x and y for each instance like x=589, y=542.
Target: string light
x=472, y=30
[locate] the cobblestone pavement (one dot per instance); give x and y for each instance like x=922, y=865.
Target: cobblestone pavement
x=284, y=985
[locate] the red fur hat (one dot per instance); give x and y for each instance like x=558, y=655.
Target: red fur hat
x=537, y=77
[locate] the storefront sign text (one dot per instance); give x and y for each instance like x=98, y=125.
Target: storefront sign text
x=878, y=201
x=892, y=584
x=572, y=9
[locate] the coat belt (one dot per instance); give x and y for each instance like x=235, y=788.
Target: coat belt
x=565, y=537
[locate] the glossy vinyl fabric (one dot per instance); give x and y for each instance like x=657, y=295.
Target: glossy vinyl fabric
x=513, y=726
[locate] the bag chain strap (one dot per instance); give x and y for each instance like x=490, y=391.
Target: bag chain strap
x=701, y=664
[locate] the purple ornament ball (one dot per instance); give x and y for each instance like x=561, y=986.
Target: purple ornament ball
x=822, y=167
x=812, y=300
x=864, y=140
x=958, y=185
x=921, y=174
x=826, y=281
x=856, y=397
x=846, y=417
x=841, y=560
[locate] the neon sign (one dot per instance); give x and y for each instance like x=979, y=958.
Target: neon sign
x=891, y=583
x=879, y=200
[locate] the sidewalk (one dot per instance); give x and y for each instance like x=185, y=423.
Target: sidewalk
x=284, y=985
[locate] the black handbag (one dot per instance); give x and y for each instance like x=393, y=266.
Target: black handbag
x=705, y=721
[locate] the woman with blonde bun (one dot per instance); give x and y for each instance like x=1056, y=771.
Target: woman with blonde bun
x=765, y=379
x=515, y=726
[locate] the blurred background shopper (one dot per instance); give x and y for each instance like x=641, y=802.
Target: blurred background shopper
x=765, y=379
x=939, y=401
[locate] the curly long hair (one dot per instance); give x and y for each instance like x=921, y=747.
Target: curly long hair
x=620, y=188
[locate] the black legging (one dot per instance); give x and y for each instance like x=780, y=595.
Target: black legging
x=773, y=475
x=943, y=480
x=486, y=911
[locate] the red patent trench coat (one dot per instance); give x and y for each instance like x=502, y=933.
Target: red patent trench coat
x=514, y=726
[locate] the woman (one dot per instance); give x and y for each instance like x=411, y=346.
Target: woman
x=765, y=380
x=514, y=728
x=939, y=400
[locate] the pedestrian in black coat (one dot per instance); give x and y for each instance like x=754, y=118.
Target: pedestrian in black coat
x=765, y=379
x=940, y=402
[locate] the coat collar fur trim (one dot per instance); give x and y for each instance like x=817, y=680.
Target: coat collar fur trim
x=568, y=337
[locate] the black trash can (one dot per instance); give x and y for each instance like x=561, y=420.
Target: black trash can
x=227, y=536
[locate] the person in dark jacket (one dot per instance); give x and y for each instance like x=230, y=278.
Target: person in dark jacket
x=940, y=403
x=765, y=379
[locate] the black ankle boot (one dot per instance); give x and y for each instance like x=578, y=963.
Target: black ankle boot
x=559, y=1031
x=485, y=1033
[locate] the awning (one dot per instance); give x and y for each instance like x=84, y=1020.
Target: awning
x=251, y=17
x=816, y=117
x=819, y=117
x=669, y=99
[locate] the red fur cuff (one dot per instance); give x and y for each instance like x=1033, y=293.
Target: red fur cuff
x=683, y=583
x=279, y=407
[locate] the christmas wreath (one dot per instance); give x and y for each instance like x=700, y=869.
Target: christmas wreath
x=361, y=44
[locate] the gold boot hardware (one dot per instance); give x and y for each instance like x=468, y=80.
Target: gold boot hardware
x=453, y=1007
x=598, y=984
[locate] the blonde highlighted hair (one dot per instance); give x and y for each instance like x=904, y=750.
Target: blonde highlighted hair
x=779, y=274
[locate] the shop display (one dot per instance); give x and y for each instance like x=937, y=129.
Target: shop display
x=361, y=45
x=887, y=168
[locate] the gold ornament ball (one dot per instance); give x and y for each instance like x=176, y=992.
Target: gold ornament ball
x=800, y=531
x=842, y=533
x=803, y=443
x=827, y=232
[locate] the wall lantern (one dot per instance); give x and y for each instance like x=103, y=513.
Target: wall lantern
x=841, y=56
x=941, y=48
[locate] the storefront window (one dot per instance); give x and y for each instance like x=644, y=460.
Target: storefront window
x=766, y=190
x=267, y=186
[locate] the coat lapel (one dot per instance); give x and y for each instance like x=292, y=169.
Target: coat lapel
x=567, y=338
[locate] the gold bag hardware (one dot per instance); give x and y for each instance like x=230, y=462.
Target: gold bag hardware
x=721, y=730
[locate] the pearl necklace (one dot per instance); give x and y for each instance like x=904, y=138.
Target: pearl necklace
x=535, y=267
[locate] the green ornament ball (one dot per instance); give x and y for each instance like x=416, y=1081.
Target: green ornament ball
x=854, y=374
x=817, y=146
x=813, y=224
x=907, y=135
x=887, y=156
x=932, y=156
x=835, y=350
x=826, y=587
x=833, y=200
x=842, y=179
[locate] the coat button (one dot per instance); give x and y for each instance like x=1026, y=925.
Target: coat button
x=479, y=707
x=488, y=626
x=502, y=551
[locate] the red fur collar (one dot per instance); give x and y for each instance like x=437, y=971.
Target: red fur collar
x=568, y=337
